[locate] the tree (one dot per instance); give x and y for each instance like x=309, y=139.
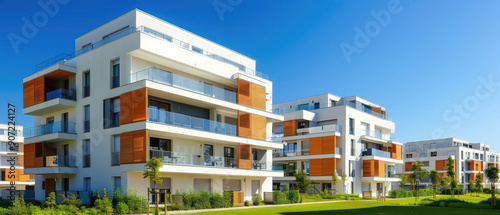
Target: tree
x=152, y=172
x=444, y=183
x=303, y=183
x=434, y=176
x=344, y=178
x=411, y=179
x=492, y=174
x=403, y=181
x=450, y=171
x=479, y=183
x=472, y=186
x=418, y=172
x=50, y=201
x=335, y=181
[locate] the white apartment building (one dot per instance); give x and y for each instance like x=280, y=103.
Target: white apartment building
x=139, y=87
x=325, y=133
x=11, y=155
x=470, y=159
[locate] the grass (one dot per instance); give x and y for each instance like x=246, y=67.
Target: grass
x=363, y=207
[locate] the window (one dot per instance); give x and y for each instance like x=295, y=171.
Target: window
x=86, y=84
x=304, y=107
x=231, y=184
x=425, y=163
x=352, y=172
x=86, y=122
x=160, y=144
x=434, y=154
x=409, y=155
x=481, y=158
x=163, y=106
x=305, y=166
x=117, y=182
x=366, y=129
x=333, y=103
x=229, y=159
x=202, y=184
x=87, y=183
x=111, y=113
x=326, y=186
x=208, y=152
x=115, y=74
x=351, y=126
x=65, y=184
x=196, y=49
x=115, y=150
x=86, y=153
x=352, y=147
x=316, y=105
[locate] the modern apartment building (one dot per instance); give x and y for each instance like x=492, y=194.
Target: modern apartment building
x=470, y=159
x=11, y=155
x=325, y=133
x=137, y=88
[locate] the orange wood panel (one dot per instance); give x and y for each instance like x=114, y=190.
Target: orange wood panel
x=39, y=154
x=20, y=160
x=329, y=143
x=29, y=155
x=29, y=93
x=289, y=128
x=441, y=175
x=244, y=124
x=258, y=96
x=244, y=156
x=39, y=90
x=368, y=168
x=50, y=186
x=328, y=166
x=381, y=168
x=315, y=167
x=315, y=145
x=243, y=95
x=493, y=164
x=408, y=165
x=375, y=109
x=140, y=104
x=396, y=151
x=140, y=145
x=238, y=197
x=126, y=147
x=258, y=127
x=126, y=109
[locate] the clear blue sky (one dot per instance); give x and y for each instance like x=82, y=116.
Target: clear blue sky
x=426, y=59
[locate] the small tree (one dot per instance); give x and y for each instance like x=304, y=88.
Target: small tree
x=444, y=183
x=50, y=201
x=411, y=179
x=450, y=171
x=434, y=176
x=303, y=183
x=402, y=183
x=453, y=187
x=492, y=174
x=418, y=173
x=479, y=183
x=335, y=181
x=344, y=179
x=472, y=186
x=152, y=172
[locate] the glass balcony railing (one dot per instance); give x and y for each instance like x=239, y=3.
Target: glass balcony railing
x=150, y=32
x=56, y=127
x=319, y=129
x=276, y=137
x=376, y=152
x=379, y=135
x=167, y=78
x=185, y=121
x=69, y=94
x=292, y=153
x=60, y=161
x=179, y=158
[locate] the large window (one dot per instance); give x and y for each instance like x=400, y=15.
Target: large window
x=353, y=149
x=115, y=74
x=163, y=106
x=351, y=126
x=111, y=113
x=117, y=182
x=160, y=144
x=86, y=84
x=115, y=150
x=86, y=122
x=86, y=153
x=87, y=183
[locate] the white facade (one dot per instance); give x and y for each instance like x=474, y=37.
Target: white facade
x=330, y=115
x=143, y=45
x=430, y=152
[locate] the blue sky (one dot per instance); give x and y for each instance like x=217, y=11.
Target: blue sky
x=422, y=63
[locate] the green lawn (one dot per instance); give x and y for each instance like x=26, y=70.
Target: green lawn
x=363, y=207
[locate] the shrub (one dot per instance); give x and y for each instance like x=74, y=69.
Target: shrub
x=118, y=197
x=347, y=197
x=256, y=199
x=72, y=200
x=227, y=199
x=442, y=204
x=202, y=200
x=293, y=196
x=19, y=206
x=280, y=198
x=5, y=211
x=136, y=203
x=216, y=201
x=247, y=203
x=50, y=201
x=175, y=207
x=412, y=193
x=121, y=208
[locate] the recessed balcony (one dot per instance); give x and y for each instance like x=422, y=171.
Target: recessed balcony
x=52, y=132
x=55, y=164
x=56, y=100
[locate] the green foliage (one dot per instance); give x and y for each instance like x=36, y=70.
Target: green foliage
x=104, y=204
x=227, y=199
x=256, y=199
x=450, y=171
x=50, y=201
x=410, y=193
x=118, y=197
x=72, y=200
x=19, y=206
x=136, y=203
x=285, y=189
x=202, y=200
x=121, y=208
x=303, y=183
x=403, y=178
x=68, y=209
x=280, y=198
x=216, y=201
x=434, y=176
x=247, y=203
x=152, y=171
x=293, y=196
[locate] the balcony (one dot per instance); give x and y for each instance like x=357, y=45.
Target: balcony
x=277, y=138
x=169, y=118
x=179, y=158
x=294, y=153
x=55, y=100
x=319, y=129
x=378, y=137
x=167, y=78
x=52, y=132
x=55, y=164
x=376, y=152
